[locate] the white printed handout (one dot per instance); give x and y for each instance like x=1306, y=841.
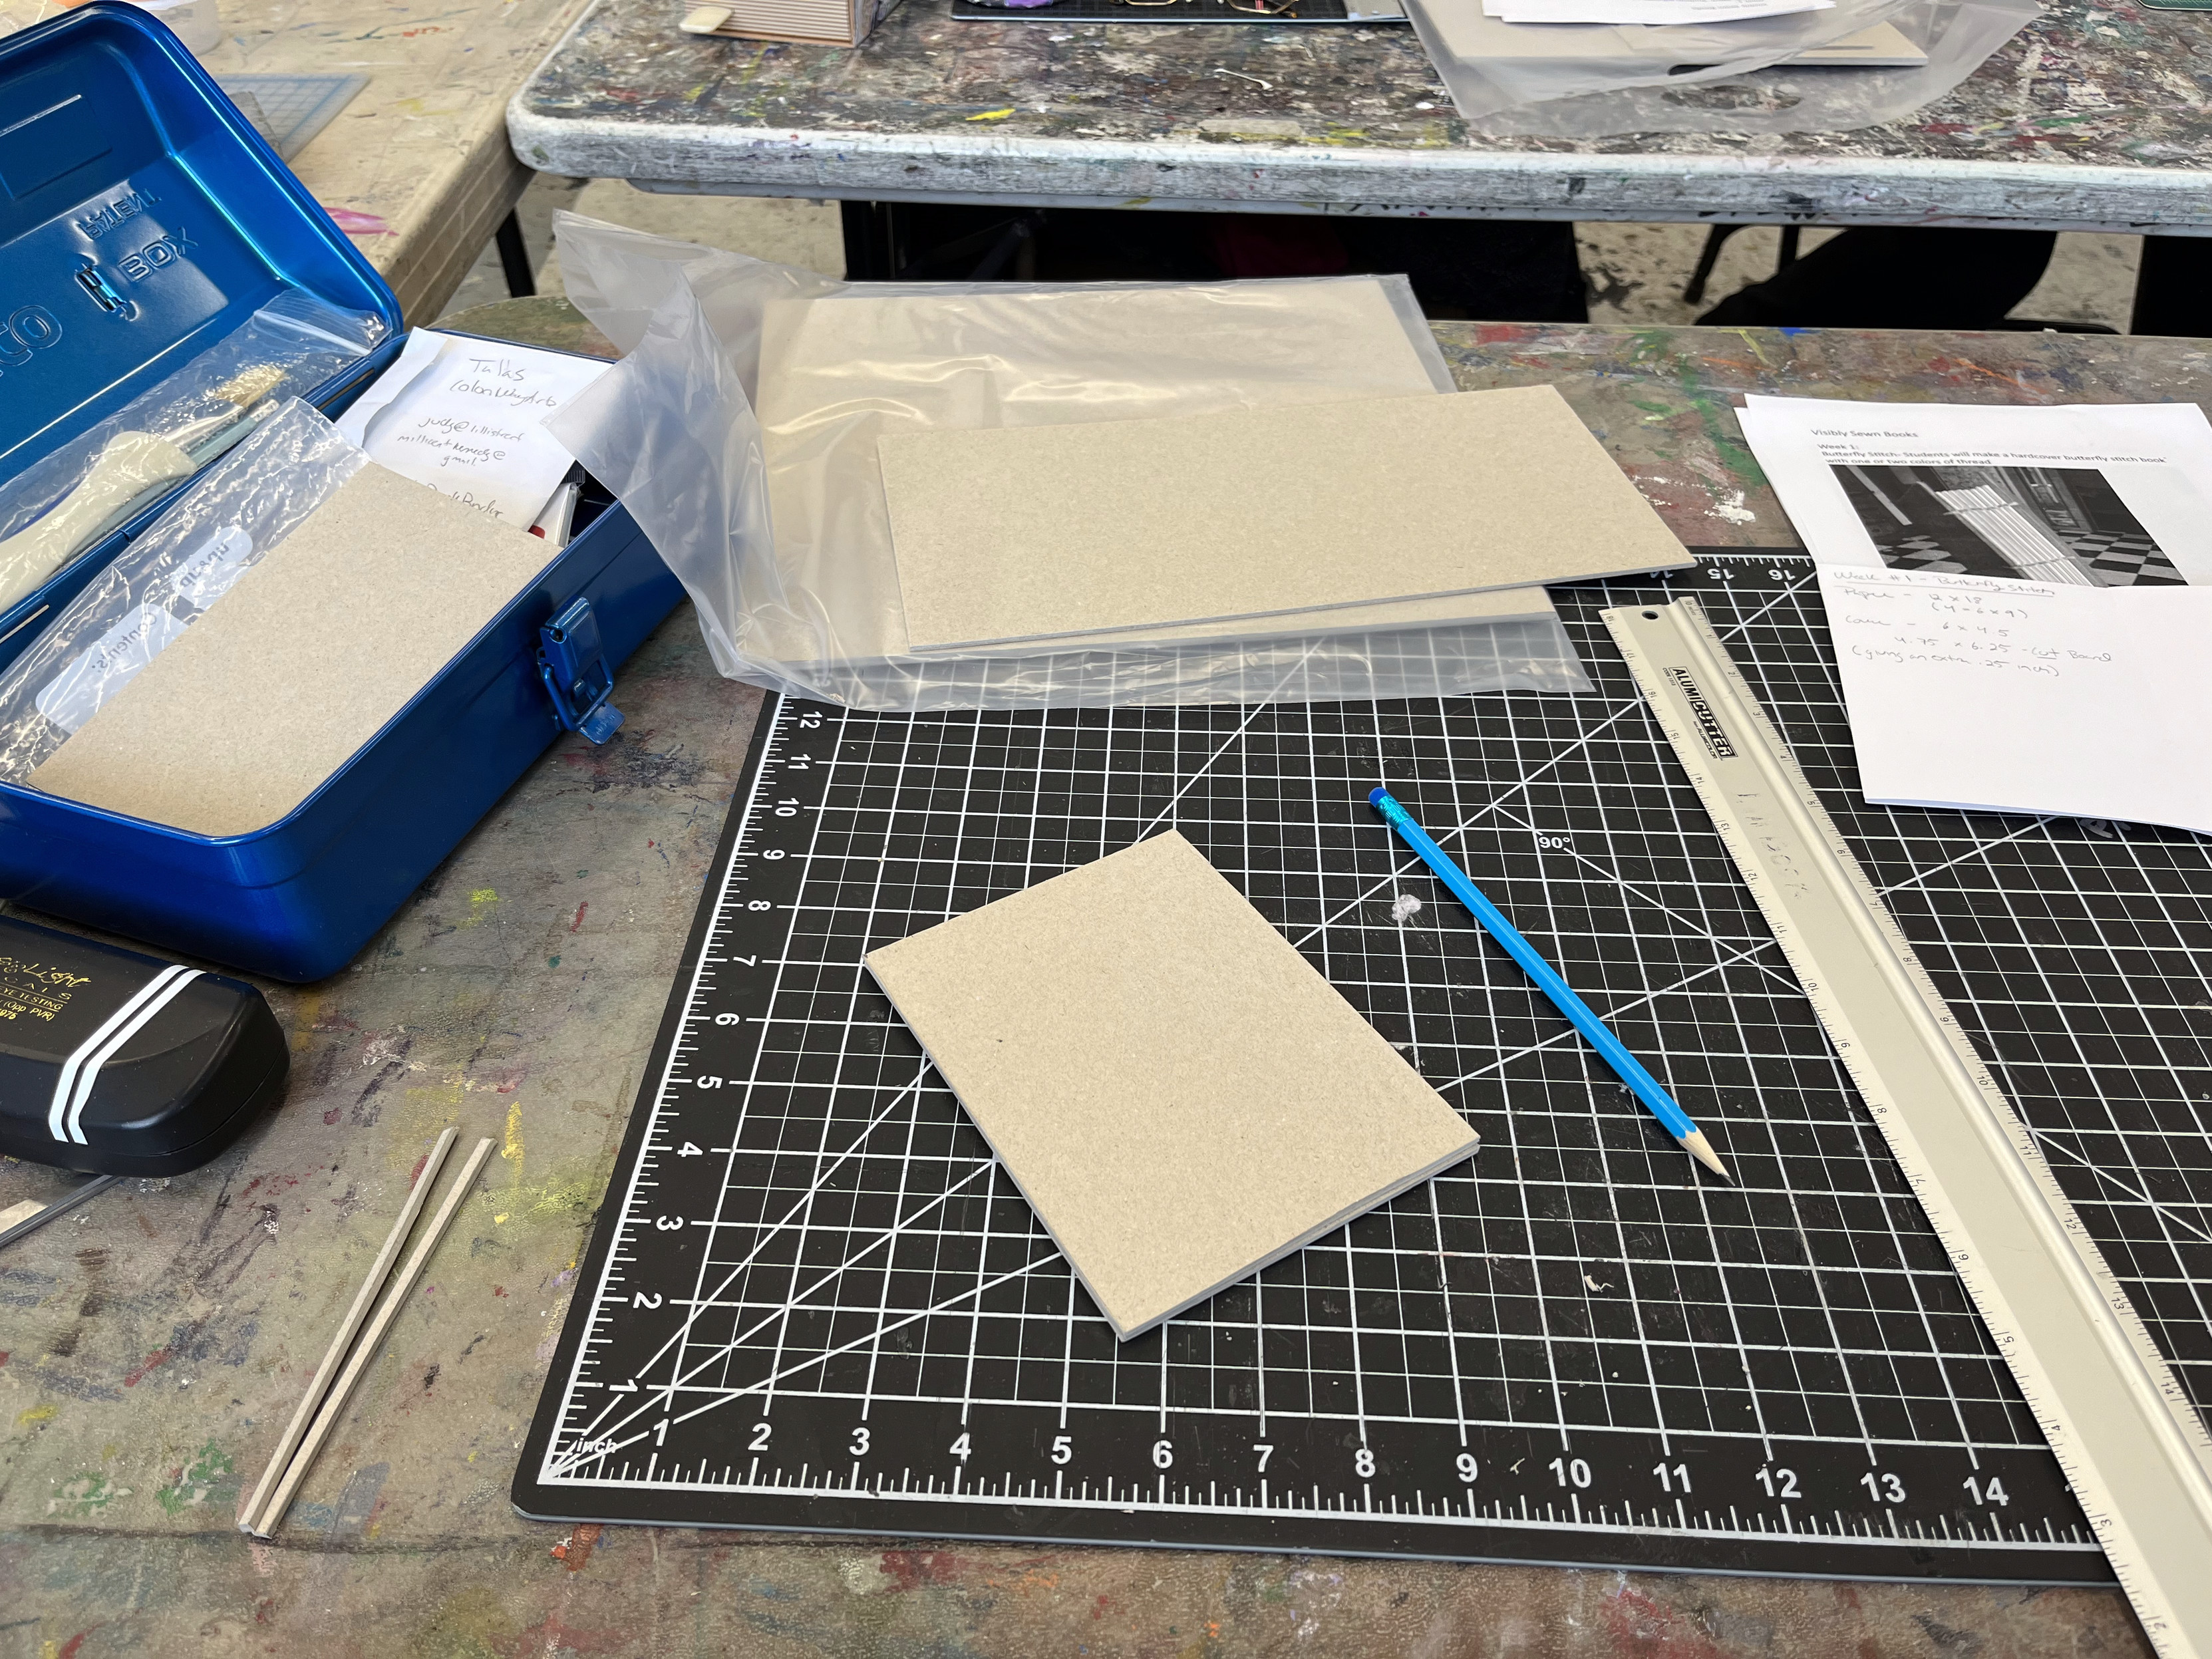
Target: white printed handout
x=470, y=423
x=2077, y=495
x=2002, y=696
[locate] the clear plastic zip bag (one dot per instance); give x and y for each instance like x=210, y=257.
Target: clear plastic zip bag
x=740, y=430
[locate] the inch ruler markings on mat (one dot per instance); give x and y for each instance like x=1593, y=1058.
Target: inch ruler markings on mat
x=2121, y=1428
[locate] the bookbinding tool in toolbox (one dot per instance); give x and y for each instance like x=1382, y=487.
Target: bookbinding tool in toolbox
x=813, y=1301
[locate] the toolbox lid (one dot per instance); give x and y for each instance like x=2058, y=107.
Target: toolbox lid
x=142, y=220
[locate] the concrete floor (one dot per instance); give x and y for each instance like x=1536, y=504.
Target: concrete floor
x=1636, y=271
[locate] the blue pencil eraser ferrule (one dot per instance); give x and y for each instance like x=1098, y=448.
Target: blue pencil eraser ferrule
x=1377, y=795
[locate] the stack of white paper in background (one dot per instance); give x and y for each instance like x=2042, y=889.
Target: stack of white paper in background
x=2018, y=598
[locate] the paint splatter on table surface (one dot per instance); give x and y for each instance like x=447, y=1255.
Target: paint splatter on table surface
x=2092, y=115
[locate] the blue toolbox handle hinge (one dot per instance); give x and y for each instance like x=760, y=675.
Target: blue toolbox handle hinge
x=574, y=665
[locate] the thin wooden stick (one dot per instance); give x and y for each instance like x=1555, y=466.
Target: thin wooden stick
x=364, y=1299
x=371, y=1339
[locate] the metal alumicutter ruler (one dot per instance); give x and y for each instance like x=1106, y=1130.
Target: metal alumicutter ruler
x=2127, y=1436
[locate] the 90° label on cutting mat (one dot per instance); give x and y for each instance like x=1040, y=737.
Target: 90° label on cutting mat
x=814, y=1300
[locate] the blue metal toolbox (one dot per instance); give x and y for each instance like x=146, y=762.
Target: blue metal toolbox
x=113, y=140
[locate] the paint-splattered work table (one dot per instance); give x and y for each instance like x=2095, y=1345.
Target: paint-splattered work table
x=2094, y=118
x=152, y=1342
x=417, y=168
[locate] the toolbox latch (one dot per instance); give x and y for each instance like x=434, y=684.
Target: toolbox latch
x=574, y=665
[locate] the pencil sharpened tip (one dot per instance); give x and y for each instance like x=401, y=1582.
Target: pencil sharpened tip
x=1698, y=1147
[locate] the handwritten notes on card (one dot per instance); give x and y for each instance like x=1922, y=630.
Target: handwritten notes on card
x=466, y=416
x=2011, y=697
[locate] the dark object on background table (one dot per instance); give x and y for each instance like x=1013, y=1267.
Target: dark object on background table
x=2173, y=286
x=1890, y=277
x=117, y=1063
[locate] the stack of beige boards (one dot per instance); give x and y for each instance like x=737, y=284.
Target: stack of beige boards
x=1099, y=533
x=818, y=22
x=842, y=375
x=249, y=711
x=1180, y=1096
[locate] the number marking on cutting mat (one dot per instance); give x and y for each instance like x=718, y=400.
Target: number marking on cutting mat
x=813, y=1300
x=2120, y=1423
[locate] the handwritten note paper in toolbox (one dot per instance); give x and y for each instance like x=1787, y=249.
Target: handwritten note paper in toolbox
x=470, y=423
x=2011, y=696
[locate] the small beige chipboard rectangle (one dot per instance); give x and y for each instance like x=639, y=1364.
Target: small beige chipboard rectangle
x=1180, y=1095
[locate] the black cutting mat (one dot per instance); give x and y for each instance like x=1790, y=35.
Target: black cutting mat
x=813, y=1300
x=1184, y=11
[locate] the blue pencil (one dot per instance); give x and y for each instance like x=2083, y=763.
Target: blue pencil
x=1644, y=1085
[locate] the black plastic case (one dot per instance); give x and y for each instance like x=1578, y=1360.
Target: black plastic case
x=121, y=1064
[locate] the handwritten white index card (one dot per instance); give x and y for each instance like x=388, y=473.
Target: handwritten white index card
x=1992, y=694
x=472, y=424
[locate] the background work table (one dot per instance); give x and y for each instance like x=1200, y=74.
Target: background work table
x=417, y=168
x=156, y=1339
x=2094, y=118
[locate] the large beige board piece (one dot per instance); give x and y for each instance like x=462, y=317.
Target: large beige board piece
x=1177, y=1091
x=1029, y=533
x=839, y=372
x=318, y=645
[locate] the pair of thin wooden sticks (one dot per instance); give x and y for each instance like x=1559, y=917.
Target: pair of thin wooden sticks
x=327, y=1394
